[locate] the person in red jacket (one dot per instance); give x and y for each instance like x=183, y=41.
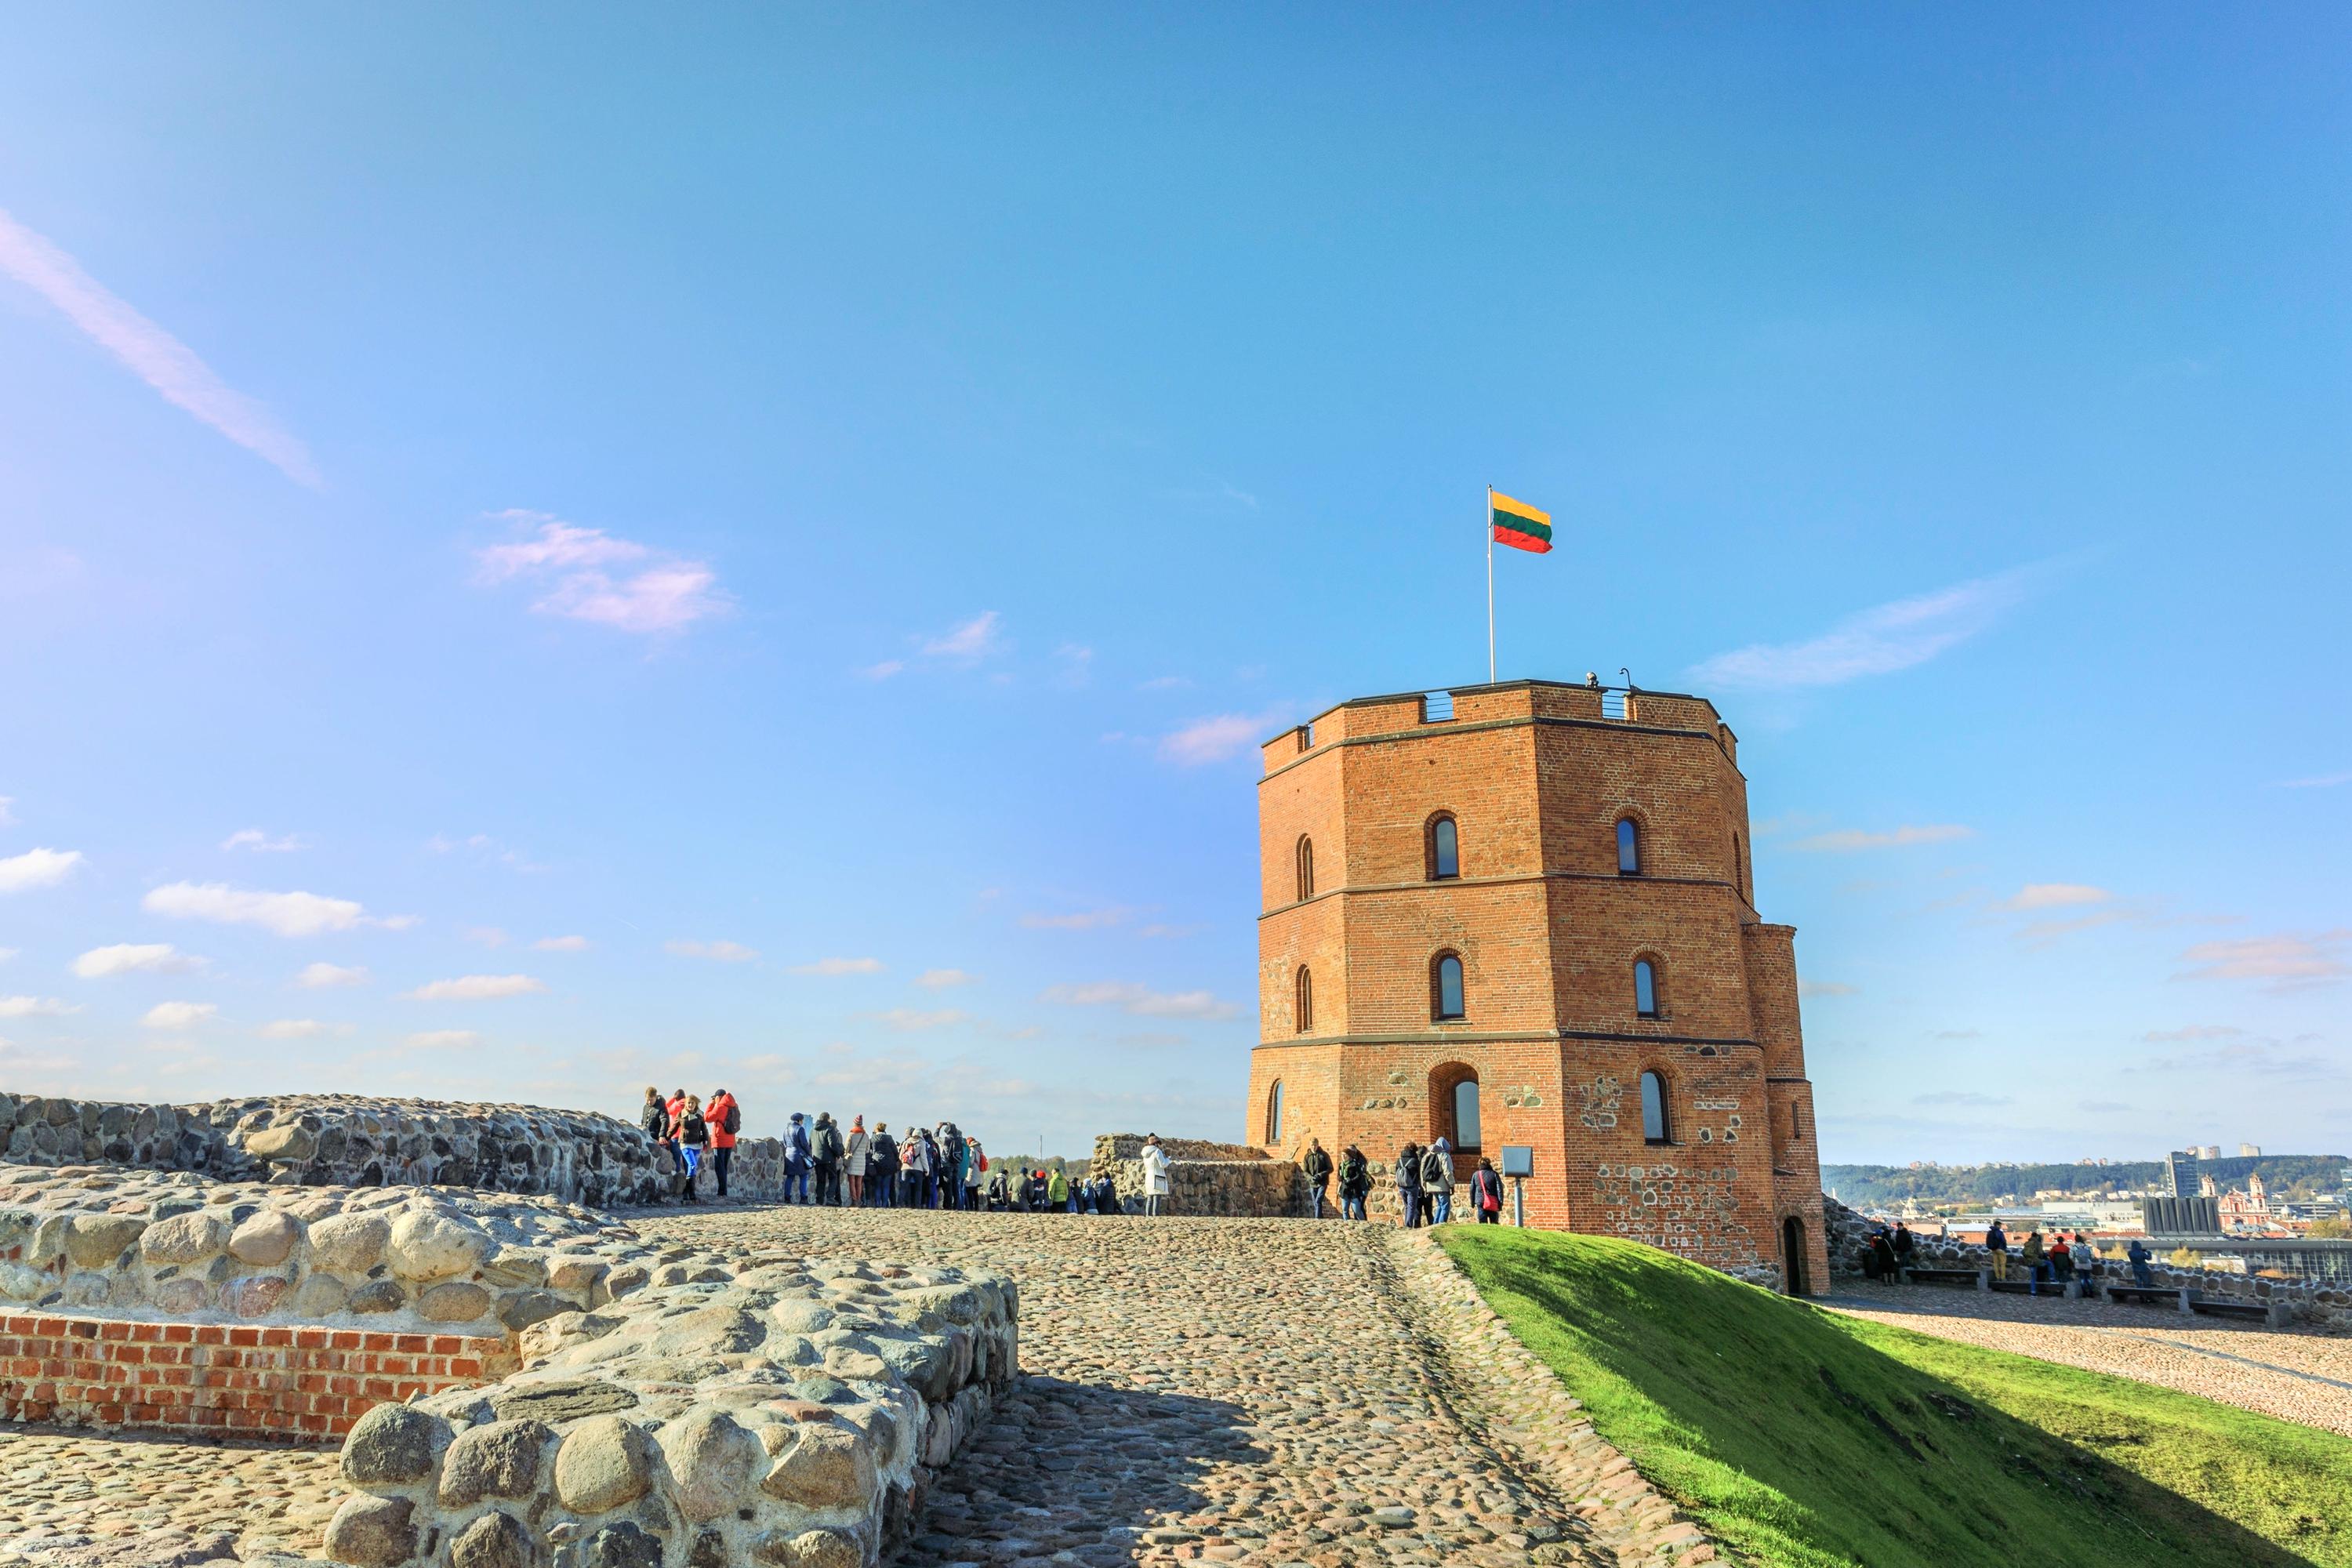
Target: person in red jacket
x=726, y=1119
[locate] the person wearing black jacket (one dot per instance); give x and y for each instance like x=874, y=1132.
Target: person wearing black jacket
x=1407, y=1184
x=882, y=1167
x=825, y=1149
x=1355, y=1183
x=1316, y=1164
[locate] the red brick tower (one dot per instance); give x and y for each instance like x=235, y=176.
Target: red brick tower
x=1525, y=917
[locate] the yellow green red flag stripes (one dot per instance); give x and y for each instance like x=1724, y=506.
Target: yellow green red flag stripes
x=1519, y=525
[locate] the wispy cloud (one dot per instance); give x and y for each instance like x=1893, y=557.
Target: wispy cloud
x=2325, y=781
x=255, y=839
x=1849, y=841
x=722, y=952
x=34, y=1007
x=1081, y=919
x=1959, y=1097
x=2286, y=961
x=657, y=593
x=326, y=977
x=300, y=1029
x=38, y=868
x=2240, y=1054
x=940, y=979
x=179, y=1015
x=487, y=936
x=288, y=914
x=477, y=988
x=840, y=966
x=132, y=958
x=1141, y=1000
x=2055, y=896
x=967, y=641
x=7, y=816
x=912, y=1020
x=441, y=1039
x=1217, y=737
x=2192, y=1031
x=562, y=944
x=150, y=352
x=1879, y=641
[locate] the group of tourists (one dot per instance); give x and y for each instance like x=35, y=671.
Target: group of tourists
x=937, y=1167
x=2053, y=1262
x=1424, y=1180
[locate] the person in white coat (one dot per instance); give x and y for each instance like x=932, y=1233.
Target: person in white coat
x=1156, y=1184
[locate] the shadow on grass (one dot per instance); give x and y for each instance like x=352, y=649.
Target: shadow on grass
x=1078, y=1467
x=1808, y=1439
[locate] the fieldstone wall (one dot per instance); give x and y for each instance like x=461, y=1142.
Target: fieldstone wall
x=2323, y=1305
x=1225, y=1181
x=40, y=1130
x=779, y=1412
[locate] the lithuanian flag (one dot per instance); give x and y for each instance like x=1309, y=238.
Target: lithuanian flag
x=1519, y=525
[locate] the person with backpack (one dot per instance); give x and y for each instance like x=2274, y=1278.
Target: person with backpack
x=2036, y=1261
x=1057, y=1192
x=726, y=1119
x=1906, y=1247
x=1407, y=1184
x=1317, y=1166
x=1437, y=1181
x=916, y=1156
x=1000, y=1193
x=797, y=1161
x=854, y=1159
x=693, y=1138
x=2086, y=1262
x=1486, y=1193
x=1997, y=1250
x=825, y=1150
x=882, y=1168
x=1355, y=1183
x=2062, y=1261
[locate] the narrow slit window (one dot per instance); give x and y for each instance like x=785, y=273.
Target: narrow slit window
x=1466, y=1114
x=1445, y=976
x=1305, y=869
x=1274, y=1113
x=1655, y=1127
x=1629, y=848
x=1306, y=1000
x=1645, y=988
x=1444, y=849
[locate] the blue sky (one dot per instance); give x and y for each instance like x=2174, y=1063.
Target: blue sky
x=541, y=552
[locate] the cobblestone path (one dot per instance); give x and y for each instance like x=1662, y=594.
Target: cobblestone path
x=2295, y=1375
x=1231, y=1391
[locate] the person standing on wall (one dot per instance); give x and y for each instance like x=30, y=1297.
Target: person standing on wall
x=1437, y=1181
x=855, y=1157
x=1355, y=1183
x=1486, y=1193
x=1997, y=1250
x=825, y=1148
x=1157, y=1184
x=725, y=1119
x=1318, y=1165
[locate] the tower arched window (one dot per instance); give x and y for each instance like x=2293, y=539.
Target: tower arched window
x=1645, y=988
x=1305, y=869
x=1446, y=1001
x=1466, y=1114
x=1304, y=1005
x=1274, y=1114
x=1656, y=1126
x=1445, y=847
x=1629, y=848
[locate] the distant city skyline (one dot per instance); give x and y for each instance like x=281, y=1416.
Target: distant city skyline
x=757, y=550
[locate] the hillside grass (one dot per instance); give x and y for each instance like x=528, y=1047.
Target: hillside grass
x=1804, y=1437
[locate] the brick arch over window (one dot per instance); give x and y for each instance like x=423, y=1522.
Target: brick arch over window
x=1630, y=846
x=1453, y=1098
x=1274, y=1115
x=1646, y=979
x=1657, y=1107
x=1441, y=839
x=1302, y=1007
x=1306, y=858
x=1449, y=997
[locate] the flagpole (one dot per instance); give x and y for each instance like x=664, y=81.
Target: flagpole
x=1490, y=584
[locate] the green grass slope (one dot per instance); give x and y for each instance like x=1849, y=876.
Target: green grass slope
x=1803, y=1437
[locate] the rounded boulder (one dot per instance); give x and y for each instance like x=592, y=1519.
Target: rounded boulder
x=266, y=1239
x=349, y=1242
x=393, y=1445
x=606, y=1463
x=455, y=1303
x=715, y=1461
x=373, y=1532
x=184, y=1238
x=434, y=1247
x=827, y=1466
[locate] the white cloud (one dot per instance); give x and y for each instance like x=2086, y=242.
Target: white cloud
x=2055, y=896
x=288, y=914
x=1142, y=1001
x=37, y=867
x=321, y=976
x=477, y=988
x=562, y=944
x=1218, y=737
x=723, y=952
x=969, y=641
x=2286, y=960
x=1846, y=840
x=938, y=979
x=300, y=1029
x=1878, y=641
x=2192, y=1031
x=883, y=671
x=907, y=1020
x=2325, y=781
x=488, y=936
x=34, y=1007
x=441, y=1039
x=1083, y=920
x=150, y=352
x=840, y=966
x=665, y=594
x=128, y=958
x=179, y=1015
x=255, y=839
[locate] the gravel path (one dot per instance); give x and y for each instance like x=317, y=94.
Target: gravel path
x=2295, y=1375
x=1265, y=1392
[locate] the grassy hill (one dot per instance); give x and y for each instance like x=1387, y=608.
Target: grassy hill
x=1800, y=1437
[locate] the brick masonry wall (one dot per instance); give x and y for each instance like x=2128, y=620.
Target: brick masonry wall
x=1535, y=777
x=221, y=1381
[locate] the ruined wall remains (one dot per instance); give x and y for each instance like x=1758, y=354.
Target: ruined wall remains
x=1227, y=1181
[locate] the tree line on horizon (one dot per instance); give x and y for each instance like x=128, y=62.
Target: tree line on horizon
x=2290, y=1178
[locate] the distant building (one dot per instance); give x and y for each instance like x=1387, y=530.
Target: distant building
x=2181, y=1216
x=2249, y=1151
x=2207, y=1151
x=2180, y=1173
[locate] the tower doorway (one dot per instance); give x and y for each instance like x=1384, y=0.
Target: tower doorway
x=1792, y=1255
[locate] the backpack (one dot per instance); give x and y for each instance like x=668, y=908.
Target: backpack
x=828, y=1141
x=733, y=1122
x=1435, y=1169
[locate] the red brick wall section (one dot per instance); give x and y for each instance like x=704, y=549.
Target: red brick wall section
x=309, y=1384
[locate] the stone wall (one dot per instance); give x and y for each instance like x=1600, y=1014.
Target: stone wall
x=2319, y=1304
x=1227, y=1181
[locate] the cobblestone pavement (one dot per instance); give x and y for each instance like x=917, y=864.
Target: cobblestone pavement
x=1234, y=1391
x=2295, y=1375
